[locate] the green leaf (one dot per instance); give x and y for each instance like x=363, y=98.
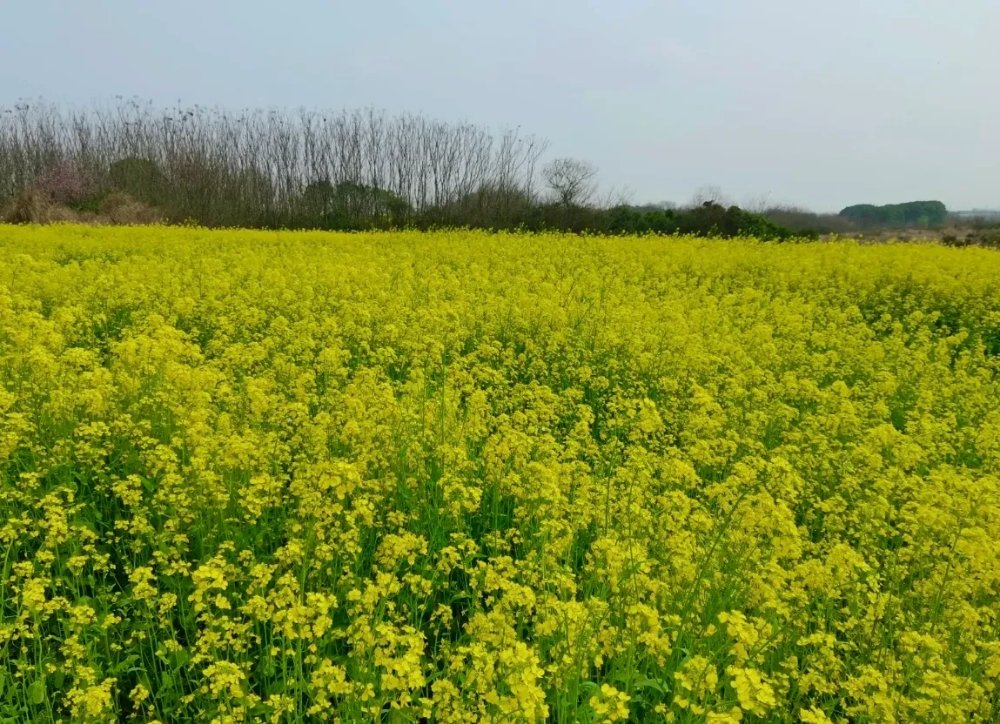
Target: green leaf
x=126, y=664
x=36, y=692
x=654, y=684
x=181, y=657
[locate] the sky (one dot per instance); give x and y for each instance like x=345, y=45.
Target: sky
x=810, y=103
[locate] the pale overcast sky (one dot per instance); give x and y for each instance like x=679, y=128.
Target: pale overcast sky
x=816, y=103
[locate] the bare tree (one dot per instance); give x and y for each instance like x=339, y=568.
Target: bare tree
x=759, y=203
x=256, y=167
x=709, y=194
x=571, y=180
x=617, y=196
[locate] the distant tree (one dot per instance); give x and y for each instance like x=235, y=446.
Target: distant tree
x=912, y=213
x=616, y=196
x=641, y=219
x=708, y=219
x=571, y=180
x=805, y=221
x=317, y=198
x=491, y=205
x=373, y=205
x=708, y=194
x=712, y=219
x=64, y=182
x=350, y=205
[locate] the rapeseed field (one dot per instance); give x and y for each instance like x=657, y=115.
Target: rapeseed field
x=462, y=477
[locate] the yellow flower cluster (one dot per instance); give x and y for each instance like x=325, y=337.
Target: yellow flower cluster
x=463, y=477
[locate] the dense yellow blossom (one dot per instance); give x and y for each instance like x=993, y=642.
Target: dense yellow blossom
x=463, y=477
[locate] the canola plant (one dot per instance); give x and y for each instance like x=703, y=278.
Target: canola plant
x=463, y=477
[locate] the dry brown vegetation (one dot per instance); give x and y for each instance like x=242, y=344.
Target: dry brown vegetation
x=34, y=206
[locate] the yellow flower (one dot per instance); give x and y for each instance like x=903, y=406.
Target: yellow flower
x=609, y=704
x=754, y=693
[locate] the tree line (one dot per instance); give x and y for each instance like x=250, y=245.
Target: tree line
x=258, y=168
x=360, y=169
x=911, y=213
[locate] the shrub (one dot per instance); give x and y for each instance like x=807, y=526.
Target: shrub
x=121, y=208
x=33, y=206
